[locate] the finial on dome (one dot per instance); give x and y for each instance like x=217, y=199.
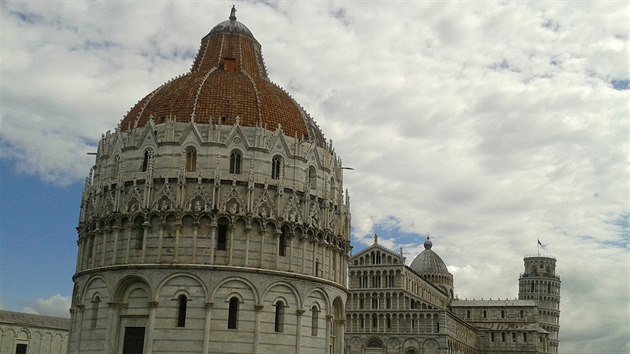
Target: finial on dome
x=233, y=13
x=375, y=239
x=428, y=244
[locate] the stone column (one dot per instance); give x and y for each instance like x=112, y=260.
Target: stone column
x=329, y=319
x=151, y=326
x=104, y=247
x=129, y=228
x=258, y=308
x=263, y=232
x=230, y=243
x=178, y=229
x=79, y=328
x=298, y=334
x=160, y=240
x=208, y=323
x=115, y=250
x=145, y=232
x=109, y=348
x=291, y=254
x=247, y=233
x=213, y=237
x=194, y=245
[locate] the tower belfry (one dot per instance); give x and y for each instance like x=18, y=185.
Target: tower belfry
x=539, y=282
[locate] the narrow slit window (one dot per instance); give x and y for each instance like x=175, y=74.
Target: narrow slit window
x=282, y=243
x=181, y=315
x=279, y=319
x=222, y=231
x=233, y=313
x=315, y=320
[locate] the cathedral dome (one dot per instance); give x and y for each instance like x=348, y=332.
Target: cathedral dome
x=227, y=85
x=428, y=262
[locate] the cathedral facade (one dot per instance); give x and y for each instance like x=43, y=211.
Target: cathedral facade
x=395, y=308
x=214, y=219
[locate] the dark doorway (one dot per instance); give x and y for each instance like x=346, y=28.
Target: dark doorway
x=20, y=349
x=134, y=340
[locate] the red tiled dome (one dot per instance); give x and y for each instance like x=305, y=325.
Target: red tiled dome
x=228, y=80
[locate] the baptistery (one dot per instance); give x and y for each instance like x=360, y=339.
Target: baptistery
x=214, y=219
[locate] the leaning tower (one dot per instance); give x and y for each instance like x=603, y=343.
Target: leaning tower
x=540, y=282
x=214, y=219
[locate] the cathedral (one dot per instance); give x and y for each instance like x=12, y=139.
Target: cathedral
x=215, y=220
x=395, y=308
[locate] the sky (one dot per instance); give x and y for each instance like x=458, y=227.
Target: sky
x=489, y=125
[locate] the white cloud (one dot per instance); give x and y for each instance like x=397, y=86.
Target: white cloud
x=55, y=305
x=489, y=124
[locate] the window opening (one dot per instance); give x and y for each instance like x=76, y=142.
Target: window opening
x=312, y=177
x=191, y=159
x=282, y=243
x=233, y=313
x=148, y=155
x=21, y=348
x=235, y=162
x=279, y=320
x=276, y=165
x=133, y=342
x=95, y=304
x=222, y=230
x=181, y=316
x=315, y=320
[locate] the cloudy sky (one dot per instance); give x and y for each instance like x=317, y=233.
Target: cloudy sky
x=488, y=124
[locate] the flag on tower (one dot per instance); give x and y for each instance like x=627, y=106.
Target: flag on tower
x=540, y=244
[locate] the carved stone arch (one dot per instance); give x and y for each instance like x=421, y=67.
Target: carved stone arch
x=298, y=232
x=249, y=285
x=327, y=305
x=233, y=203
x=89, y=290
x=292, y=211
x=133, y=199
x=23, y=334
x=199, y=200
x=126, y=283
x=164, y=199
x=411, y=343
x=264, y=206
x=374, y=342
x=291, y=289
x=312, y=157
x=184, y=291
x=430, y=346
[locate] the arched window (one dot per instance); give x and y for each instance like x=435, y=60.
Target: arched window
x=222, y=231
x=282, y=242
x=279, y=320
x=374, y=343
x=314, y=320
x=235, y=162
x=115, y=166
x=484, y=314
x=181, y=315
x=312, y=177
x=95, y=304
x=276, y=167
x=233, y=313
x=138, y=231
x=191, y=159
x=148, y=156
